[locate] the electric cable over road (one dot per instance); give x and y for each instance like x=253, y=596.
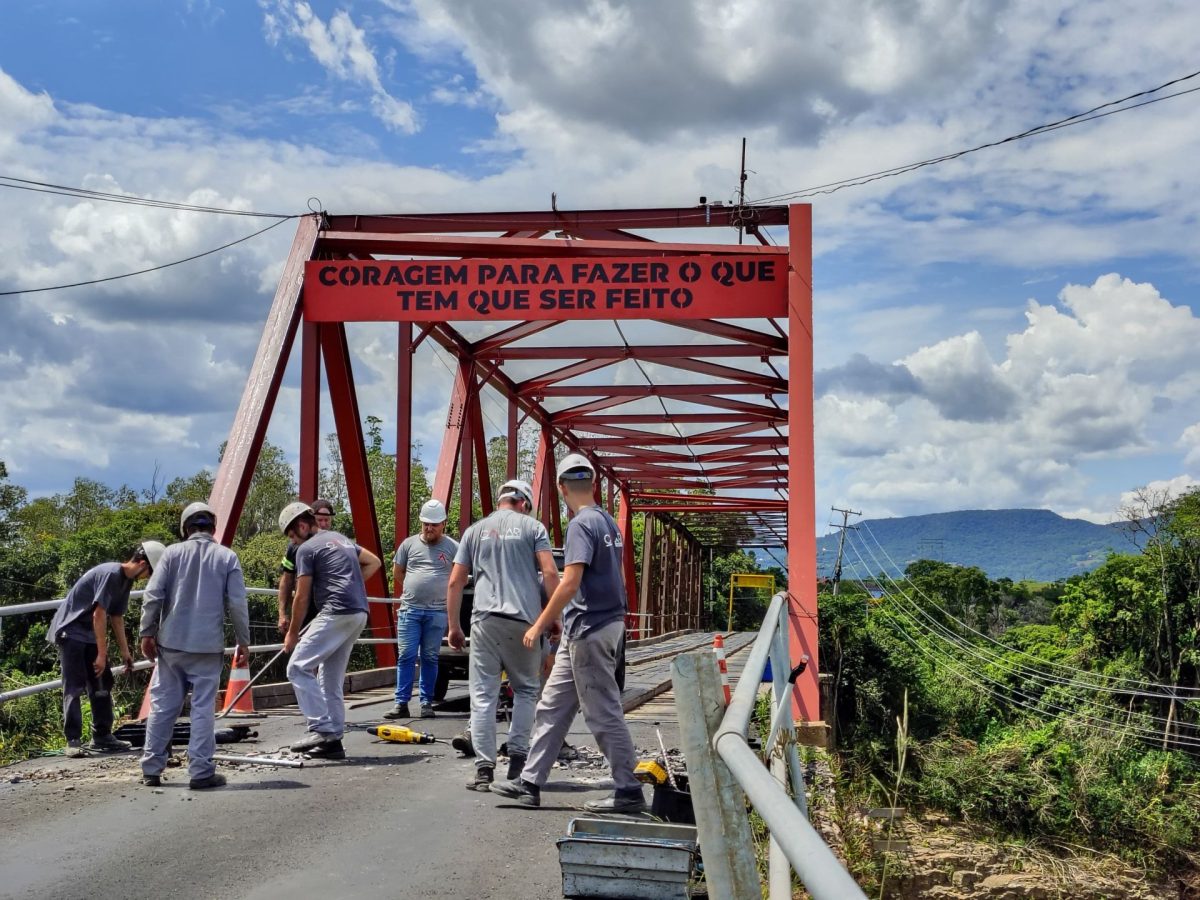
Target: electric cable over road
x=59, y=287
x=1076, y=119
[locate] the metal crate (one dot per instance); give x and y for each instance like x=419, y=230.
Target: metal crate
x=626, y=859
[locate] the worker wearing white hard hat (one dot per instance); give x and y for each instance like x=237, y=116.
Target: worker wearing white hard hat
x=591, y=600
x=196, y=585
x=323, y=513
x=331, y=572
x=421, y=570
x=505, y=552
x=79, y=630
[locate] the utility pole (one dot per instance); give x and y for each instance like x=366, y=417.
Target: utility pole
x=837, y=566
x=742, y=192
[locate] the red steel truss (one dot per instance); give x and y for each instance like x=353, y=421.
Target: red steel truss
x=686, y=427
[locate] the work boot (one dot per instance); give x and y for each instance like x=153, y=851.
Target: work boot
x=626, y=801
x=328, y=750
x=151, y=780
x=516, y=765
x=519, y=789
x=399, y=711
x=215, y=780
x=427, y=711
x=462, y=743
x=109, y=744
x=484, y=776
x=306, y=743
x=74, y=749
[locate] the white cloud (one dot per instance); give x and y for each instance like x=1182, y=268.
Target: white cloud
x=341, y=48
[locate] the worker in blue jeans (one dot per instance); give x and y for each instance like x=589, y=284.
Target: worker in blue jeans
x=422, y=565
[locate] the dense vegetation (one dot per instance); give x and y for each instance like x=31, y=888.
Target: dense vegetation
x=1021, y=544
x=1036, y=710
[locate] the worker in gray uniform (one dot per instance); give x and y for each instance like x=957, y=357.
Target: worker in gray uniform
x=504, y=551
x=79, y=630
x=197, y=585
x=331, y=571
x=421, y=569
x=323, y=511
x=591, y=599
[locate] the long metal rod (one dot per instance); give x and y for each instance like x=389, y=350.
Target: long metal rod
x=820, y=871
x=260, y=760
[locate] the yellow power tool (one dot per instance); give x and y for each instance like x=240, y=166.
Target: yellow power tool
x=401, y=735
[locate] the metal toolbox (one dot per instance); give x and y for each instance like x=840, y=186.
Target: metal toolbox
x=626, y=859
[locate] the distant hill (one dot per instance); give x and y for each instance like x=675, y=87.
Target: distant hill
x=1034, y=544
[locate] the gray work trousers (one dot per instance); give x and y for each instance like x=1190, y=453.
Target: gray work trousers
x=318, y=668
x=496, y=644
x=175, y=671
x=584, y=675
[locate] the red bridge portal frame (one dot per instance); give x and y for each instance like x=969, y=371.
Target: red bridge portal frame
x=707, y=455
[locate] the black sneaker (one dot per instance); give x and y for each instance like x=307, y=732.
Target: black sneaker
x=328, y=750
x=399, y=711
x=630, y=801
x=520, y=790
x=151, y=780
x=516, y=765
x=215, y=780
x=109, y=744
x=74, y=749
x=484, y=776
x=462, y=743
x=427, y=711
x=306, y=743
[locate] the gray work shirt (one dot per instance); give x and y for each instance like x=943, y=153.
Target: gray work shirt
x=426, y=570
x=501, y=552
x=104, y=585
x=196, y=583
x=594, y=540
x=337, y=583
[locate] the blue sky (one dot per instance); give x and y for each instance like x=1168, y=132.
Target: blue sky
x=1015, y=328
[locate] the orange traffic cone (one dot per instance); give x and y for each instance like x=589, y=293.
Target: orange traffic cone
x=719, y=652
x=239, y=677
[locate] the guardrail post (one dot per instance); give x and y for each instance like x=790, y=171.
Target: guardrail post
x=780, y=665
x=718, y=802
x=779, y=870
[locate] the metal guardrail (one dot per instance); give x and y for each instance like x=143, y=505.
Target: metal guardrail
x=48, y=605
x=720, y=754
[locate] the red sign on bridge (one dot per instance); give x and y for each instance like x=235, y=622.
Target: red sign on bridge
x=694, y=287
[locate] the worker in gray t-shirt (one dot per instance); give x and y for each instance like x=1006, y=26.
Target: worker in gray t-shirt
x=504, y=551
x=584, y=673
x=331, y=571
x=96, y=602
x=421, y=570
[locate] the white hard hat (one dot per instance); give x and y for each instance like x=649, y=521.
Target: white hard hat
x=432, y=512
x=153, y=552
x=291, y=513
x=191, y=511
x=569, y=468
x=516, y=489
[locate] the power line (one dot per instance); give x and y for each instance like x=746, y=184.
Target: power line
x=1077, y=119
x=45, y=187
x=1034, y=703
x=59, y=287
x=1172, y=690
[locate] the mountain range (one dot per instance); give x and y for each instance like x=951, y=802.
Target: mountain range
x=1021, y=544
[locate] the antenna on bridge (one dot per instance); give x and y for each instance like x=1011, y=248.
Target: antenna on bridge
x=844, y=527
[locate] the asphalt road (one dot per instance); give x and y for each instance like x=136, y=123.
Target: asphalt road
x=392, y=820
